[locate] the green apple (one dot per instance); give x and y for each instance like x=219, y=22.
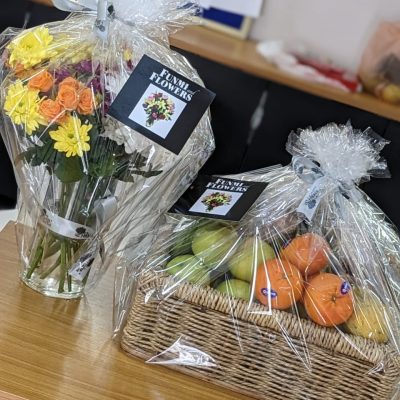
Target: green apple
x=248, y=256
x=235, y=288
x=213, y=242
x=188, y=268
x=182, y=243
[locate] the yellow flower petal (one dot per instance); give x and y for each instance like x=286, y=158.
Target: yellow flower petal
x=72, y=137
x=31, y=48
x=22, y=106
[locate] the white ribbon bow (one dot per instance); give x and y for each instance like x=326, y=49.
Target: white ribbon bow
x=320, y=183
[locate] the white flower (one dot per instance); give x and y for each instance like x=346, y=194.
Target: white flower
x=120, y=134
x=114, y=84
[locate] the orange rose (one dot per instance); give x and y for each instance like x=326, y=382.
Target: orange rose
x=19, y=69
x=68, y=97
x=71, y=82
x=52, y=111
x=21, y=72
x=86, y=102
x=42, y=81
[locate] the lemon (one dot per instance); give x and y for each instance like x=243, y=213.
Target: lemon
x=369, y=317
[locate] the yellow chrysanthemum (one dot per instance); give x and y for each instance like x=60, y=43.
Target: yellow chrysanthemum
x=22, y=106
x=31, y=48
x=72, y=137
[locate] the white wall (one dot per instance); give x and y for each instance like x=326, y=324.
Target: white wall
x=336, y=29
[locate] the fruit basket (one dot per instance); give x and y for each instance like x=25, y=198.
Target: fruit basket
x=298, y=299
x=266, y=367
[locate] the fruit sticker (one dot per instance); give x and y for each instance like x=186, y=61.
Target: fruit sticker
x=269, y=293
x=346, y=287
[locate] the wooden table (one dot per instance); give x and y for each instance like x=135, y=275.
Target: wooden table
x=55, y=349
x=243, y=55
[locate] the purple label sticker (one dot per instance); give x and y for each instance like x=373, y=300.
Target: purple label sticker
x=269, y=293
x=345, y=288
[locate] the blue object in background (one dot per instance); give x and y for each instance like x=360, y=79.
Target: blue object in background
x=224, y=17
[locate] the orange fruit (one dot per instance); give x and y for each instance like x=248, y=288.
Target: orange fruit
x=306, y=280
x=278, y=284
x=308, y=253
x=328, y=300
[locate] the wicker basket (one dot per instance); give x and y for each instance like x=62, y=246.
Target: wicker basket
x=265, y=367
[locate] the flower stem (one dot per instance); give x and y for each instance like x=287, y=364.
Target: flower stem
x=52, y=249
x=37, y=257
x=69, y=277
x=63, y=268
x=36, y=261
x=52, y=269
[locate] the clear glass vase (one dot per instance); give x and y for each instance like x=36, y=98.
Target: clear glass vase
x=57, y=243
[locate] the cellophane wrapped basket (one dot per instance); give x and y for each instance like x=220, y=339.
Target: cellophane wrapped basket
x=299, y=300
x=86, y=179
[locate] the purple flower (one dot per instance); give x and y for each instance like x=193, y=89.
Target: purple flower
x=96, y=85
x=61, y=74
x=85, y=66
x=107, y=102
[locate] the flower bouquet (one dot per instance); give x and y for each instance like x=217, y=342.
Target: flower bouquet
x=78, y=169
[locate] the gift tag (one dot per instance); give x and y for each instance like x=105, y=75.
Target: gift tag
x=220, y=198
x=161, y=104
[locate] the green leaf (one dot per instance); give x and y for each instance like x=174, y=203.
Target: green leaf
x=69, y=170
x=38, y=155
x=26, y=155
x=103, y=168
x=103, y=157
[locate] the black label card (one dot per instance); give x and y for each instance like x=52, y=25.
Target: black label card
x=220, y=198
x=161, y=104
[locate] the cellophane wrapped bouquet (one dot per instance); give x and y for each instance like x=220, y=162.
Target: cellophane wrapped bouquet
x=298, y=300
x=83, y=176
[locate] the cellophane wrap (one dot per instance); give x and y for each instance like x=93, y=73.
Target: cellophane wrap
x=129, y=262
x=300, y=299
x=83, y=176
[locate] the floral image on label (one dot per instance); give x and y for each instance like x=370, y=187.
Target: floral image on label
x=215, y=202
x=158, y=107
x=158, y=111
x=216, y=199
